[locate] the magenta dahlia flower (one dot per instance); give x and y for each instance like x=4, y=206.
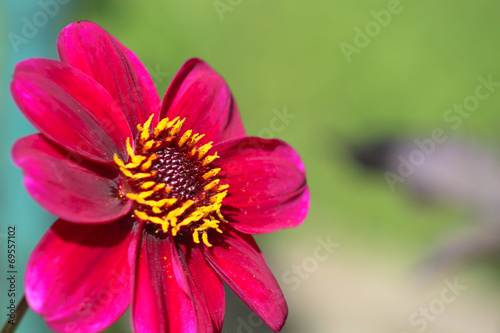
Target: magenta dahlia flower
x=156, y=201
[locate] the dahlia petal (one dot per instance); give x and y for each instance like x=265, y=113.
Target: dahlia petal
x=208, y=285
x=70, y=108
x=163, y=298
x=200, y=95
x=88, y=47
x=78, y=276
x=267, y=184
x=65, y=184
x=239, y=262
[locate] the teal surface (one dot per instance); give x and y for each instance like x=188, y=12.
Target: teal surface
x=28, y=30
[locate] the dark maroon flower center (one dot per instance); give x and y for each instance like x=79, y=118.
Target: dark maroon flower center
x=176, y=170
x=172, y=181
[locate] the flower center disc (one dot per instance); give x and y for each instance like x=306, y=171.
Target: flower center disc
x=172, y=182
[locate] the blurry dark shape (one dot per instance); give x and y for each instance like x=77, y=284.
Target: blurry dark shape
x=451, y=172
x=375, y=155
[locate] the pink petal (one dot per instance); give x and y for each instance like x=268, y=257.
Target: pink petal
x=88, y=47
x=70, y=108
x=78, y=276
x=164, y=297
x=67, y=185
x=207, y=283
x=267, y=184
x=239, y=262
x=200, y=95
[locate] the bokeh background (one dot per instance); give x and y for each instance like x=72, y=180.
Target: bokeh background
x=332, y=88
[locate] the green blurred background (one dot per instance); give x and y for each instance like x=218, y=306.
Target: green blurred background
x=286, y=57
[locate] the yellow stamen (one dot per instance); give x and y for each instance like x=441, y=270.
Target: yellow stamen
x=130, y=150
x=145, y=217
x=145, y=129
x=209, y=159
x=177, y=127
x=141, y=215
x=160, y=203
x=136, y=161
x=160, y=127
x=148, y=185
x=218, y=197
x=204, y=149
x=222, y=187
x=211, y=184
x=148, y=145
x=211, y=173
x=118, y=161
x=196, y=237
x=144, y=195
x=170, y=123
x=148, y=163
x=219, y=214
x=174, y=214
x=126, y=172
x=208, y=224
x=204, y=236
x=184, y=138
x=152, y=203
x=142, y=175
x=159, y=186
x=194, y=139
x=197, y=215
